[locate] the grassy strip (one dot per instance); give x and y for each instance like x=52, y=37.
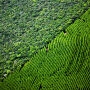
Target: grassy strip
x=64, y=66
x=28, y=25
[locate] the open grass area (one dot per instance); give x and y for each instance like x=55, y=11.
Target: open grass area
x=26, y=26
x=65, y=65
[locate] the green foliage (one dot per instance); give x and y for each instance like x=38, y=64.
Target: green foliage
x=64, y=66
x=26, y=26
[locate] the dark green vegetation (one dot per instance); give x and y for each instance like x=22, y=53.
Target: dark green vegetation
x=64, y=67
x=26, y=26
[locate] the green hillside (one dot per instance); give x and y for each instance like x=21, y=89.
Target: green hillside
x=26, y=26
x=65, y=66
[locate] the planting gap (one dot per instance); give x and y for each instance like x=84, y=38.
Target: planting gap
x=65, y=32
x=40, y=87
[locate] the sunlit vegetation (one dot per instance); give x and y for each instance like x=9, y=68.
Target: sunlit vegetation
x=26, y=26
x=65, y=66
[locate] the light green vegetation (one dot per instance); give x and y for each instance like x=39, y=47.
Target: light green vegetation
x=64, y=67
x=26, y=26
